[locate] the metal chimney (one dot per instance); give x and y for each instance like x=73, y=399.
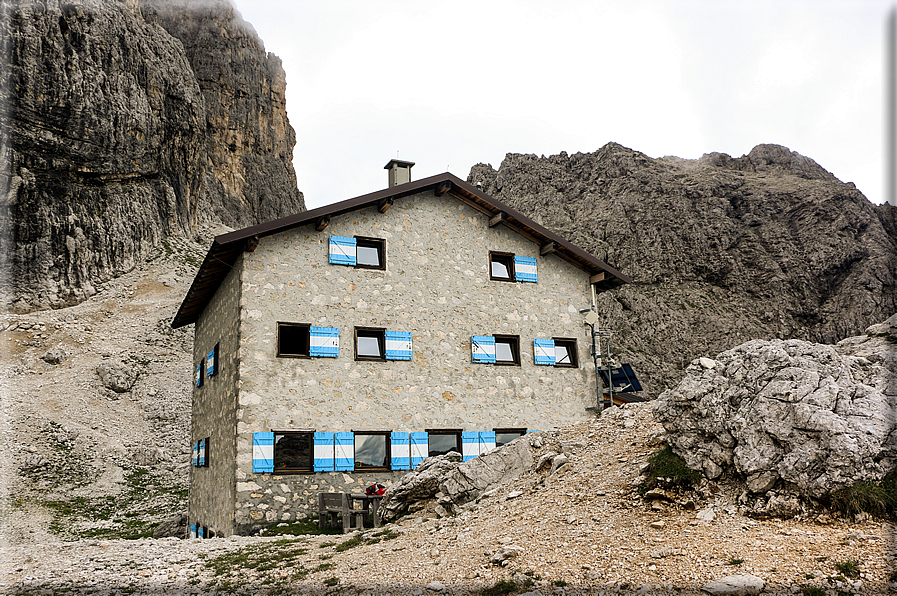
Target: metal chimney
x=399, y=171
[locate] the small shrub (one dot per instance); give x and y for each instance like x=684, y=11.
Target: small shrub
x=849, y=568
x=500, y=588
x=812, y=591
x=735, y=562
x=809, y=576
x=878, y=499
x=331, y=581
x=559, y=583
x=669, y=466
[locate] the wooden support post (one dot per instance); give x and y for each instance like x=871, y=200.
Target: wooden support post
x=501, y=217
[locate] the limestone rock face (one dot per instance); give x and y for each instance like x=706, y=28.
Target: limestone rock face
x=722, y=250
x=818, y=417
x=106, y=143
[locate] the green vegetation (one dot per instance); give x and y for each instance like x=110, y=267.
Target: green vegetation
x=501, y=588
x=559, y=583
x=878, y=499
x=365, y=538
x=274, y=564
x=302, y=527
x=735, y=562
x=331, y=581
x=849, y=568
x=812, y=591
x=668, y=469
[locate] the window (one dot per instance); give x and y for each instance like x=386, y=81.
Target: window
x=506, y=435
x=212, y=362
x=293, y=452
x=358, y=252
x=507, y=350
x=292, y=340
x=443, y=441
x=370, y=344
x=372, y=450
x=565, y=353
x=505, y=266
x=199, y=373
x=370, y=253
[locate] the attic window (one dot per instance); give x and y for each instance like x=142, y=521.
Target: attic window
x=501, y=266
x=370, y=253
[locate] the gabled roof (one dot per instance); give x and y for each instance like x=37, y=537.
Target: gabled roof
x=226, y=248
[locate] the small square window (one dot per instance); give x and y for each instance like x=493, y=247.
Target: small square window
x=506, y=435
x=370, y=253
x=372, y=450
x=507, y=349
x=501, y=266
x=293, y=451
x=443, y=441
x=292, y=340
x=565, y=353
x=370, y=344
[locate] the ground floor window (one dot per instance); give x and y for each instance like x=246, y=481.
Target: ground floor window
x=442, y=441
x=506, y=435
x=372, y=450
x=293, y=451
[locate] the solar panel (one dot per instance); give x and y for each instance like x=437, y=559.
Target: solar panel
x=623, y=379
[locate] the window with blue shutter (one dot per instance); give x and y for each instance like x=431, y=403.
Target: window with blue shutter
x=344, y=452
x=192, y=530
x=212, y=361
x=342, y=251
x=195, y=454
x=262, y=452
x=197, y=375
x=482, y=349
x=324, y=342
x=200, y=532
x=486, y=440
x=470, y=444
x=201, y=460
x=400, y=451
x=398, y=345
x=525, y=269
x=324, y=452
x=420, y=447
x=543, y=349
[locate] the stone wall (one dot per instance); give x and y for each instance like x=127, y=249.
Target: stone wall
x=214, y=409
x=437, y=286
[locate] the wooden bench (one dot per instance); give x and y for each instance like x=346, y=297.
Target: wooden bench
x=332, y=504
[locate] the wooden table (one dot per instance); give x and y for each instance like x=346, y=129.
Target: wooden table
x=370, y=504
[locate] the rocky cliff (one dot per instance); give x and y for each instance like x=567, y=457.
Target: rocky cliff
x=721, y=249
x=116, y=135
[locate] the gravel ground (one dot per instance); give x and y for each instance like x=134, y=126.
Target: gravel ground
x=581, y=530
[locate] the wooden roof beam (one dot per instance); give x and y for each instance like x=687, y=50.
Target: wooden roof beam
x=500, y=217
x=442, y=188
x=384, y=205
x=547, y=249
x=322, y=222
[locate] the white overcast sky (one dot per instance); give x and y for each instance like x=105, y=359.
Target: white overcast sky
x=450, y=84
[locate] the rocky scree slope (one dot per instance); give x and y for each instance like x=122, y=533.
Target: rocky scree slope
x=118, y=133
x=721, y=249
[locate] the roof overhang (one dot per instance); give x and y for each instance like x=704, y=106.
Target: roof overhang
x=226, y=248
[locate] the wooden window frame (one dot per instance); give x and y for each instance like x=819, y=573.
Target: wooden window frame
x=380, y=334
x=522, y=432
x=509, y=264
x=307, y=354
x=514, y=341
x=444, y=431
x=311, y=453
x=366, y=242
x=387, y=435
x=572, y=350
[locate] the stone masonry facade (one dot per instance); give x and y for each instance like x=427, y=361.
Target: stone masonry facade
x=436, y=286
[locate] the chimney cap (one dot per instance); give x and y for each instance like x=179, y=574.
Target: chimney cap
x=398, y=163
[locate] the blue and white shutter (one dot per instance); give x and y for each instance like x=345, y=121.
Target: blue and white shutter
x=323, y=342
x=262, y=452
x=486, y=441
x=197, y=375
x=212, y=361
x=398, y=345
x=525, y=269
x=400, y=451
x=195, y=454
x=344, y=452
x=420, y=448
x=192, y=530
x=543, y=349
x=200, y=532
x=323, y=455
x=201, y=457
x=342, y=251
x=470, y=444
x=482, y=349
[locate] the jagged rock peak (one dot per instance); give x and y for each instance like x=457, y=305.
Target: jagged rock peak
x=769, y=157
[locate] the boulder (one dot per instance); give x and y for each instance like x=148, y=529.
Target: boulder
x=117, y=376
x=173, y=526
x=818, y=417
x=738, y=584
x=459, y=482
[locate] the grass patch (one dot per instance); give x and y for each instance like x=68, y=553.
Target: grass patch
x=500, y=588
x=812, y=591
x=274, y=564
x=878, y=499
x=331, y=581
x=364, y=539
x=849, y=568
x=301, y=527
x=667, y=469
x=736, y=562
x=559, y=583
